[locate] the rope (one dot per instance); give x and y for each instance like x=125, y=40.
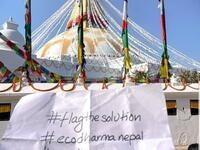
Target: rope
x=189, y=85
x=44, y=90
x=15, y=86
x=84, y=85
x=166, y=85
x=104, y=86
x=8, y=88
x=177, y=89
x=49, y=26
x=91, y=29
x=42, y=26
x=103, y=34
x=68, y=90
x=146, y=58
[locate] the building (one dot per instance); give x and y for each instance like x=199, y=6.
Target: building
x=59, y=56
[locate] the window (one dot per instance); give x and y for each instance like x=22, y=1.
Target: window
x=194, y=107
x=171, y=107
x=5, y=109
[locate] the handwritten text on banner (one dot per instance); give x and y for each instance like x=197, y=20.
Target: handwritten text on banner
x=131, y=118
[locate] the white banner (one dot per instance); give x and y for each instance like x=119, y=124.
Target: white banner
x=131, y=118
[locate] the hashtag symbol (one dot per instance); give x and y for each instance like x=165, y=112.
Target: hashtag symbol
x=53, y=117
x=49, y=137
x=64, y=118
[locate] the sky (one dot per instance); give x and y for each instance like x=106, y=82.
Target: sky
x=182, y=19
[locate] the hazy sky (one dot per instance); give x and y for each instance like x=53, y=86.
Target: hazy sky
x=182, y=17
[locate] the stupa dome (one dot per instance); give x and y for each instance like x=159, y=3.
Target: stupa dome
x=65, y=44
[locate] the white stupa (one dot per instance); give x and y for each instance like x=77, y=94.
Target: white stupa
x=103, y=52
x=7, y=55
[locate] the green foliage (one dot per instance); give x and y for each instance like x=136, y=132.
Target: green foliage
x=190, y=76
x=141, y=77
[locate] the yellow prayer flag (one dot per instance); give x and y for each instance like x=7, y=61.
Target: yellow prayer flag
x=80, y=55
x=127, y=59
x=164, y=69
